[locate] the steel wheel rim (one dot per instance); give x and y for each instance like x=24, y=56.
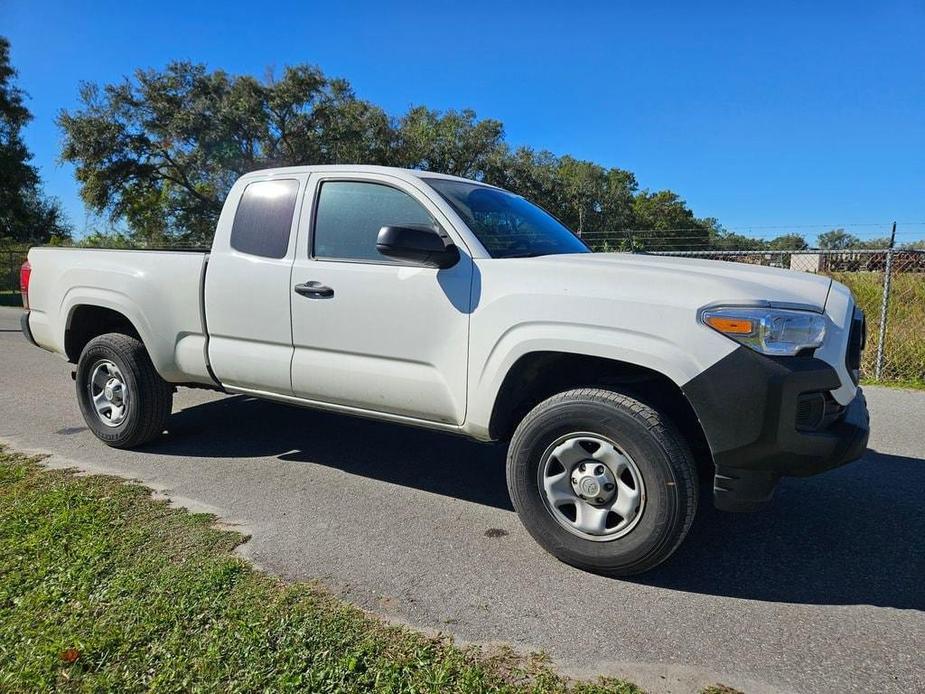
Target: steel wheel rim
x=573, y=486
x=109, y=393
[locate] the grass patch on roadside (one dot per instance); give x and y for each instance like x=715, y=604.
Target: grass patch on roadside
x=907, y=385
x=904, y=347
x=104, y=588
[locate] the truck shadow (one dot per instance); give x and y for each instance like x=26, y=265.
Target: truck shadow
x=855, y=535
x=245, y=427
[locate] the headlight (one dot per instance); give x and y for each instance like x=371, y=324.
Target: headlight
x=774, y=331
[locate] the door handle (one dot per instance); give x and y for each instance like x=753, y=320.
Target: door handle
x=314, y=290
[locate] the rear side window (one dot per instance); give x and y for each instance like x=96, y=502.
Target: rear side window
x=263, y=219
x=350, y=214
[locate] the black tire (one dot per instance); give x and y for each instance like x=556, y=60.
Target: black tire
x=660, y=454
x=150, y=396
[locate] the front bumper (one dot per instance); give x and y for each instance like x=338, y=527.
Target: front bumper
x=750, y=408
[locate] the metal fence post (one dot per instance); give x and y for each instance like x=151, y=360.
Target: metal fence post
x=884, y=305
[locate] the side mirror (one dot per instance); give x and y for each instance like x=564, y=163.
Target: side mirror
x=418, y=244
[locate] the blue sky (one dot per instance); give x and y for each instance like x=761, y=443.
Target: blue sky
x=763, y=115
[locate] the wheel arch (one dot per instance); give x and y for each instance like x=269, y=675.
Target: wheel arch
x=536, y=376
x=86, y=321
x=92, y=311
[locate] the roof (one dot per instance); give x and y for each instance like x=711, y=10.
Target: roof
x=356, y=168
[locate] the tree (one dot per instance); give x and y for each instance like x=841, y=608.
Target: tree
x=837, y=240
x=875, y=243
x=162, y=151
x=617, y=207
x=529, y=173
x=454, y=142
x=582, y=184
x=669, y=223
x=26, y=215
x=788, y=242
x=723, y=240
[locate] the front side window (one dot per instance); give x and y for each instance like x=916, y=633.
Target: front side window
x=351, y=213
x=263, y=220
x=506, y=224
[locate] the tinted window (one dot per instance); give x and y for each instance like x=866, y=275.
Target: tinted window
x=264, y=218
x=351, y=213
x=507, y=225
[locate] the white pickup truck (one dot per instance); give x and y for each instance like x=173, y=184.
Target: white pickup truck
x=440, y=302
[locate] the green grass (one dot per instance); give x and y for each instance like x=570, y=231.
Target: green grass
x=904, y=347
x=103, y=588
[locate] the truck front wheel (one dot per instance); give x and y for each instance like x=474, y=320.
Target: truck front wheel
x=602, y=481
x=123, y=399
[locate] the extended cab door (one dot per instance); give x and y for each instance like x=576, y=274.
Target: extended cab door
x=379, y=335
x=247, y=284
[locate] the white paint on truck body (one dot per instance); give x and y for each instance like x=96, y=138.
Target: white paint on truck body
x=409, y=343
x=158, y=291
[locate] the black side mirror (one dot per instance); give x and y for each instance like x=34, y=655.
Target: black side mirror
x=418, y=244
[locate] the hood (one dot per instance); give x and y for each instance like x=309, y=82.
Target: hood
x=701, y=282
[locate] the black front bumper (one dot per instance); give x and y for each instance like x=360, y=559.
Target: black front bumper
x=750, y=408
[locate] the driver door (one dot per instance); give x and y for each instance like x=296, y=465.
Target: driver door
x=379, y=335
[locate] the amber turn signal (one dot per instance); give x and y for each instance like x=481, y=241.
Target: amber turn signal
x=730, y=326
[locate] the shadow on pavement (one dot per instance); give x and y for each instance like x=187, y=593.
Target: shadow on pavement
x=855, y=535
x=245, y=427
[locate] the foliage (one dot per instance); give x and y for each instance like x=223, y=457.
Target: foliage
x=25, y=213
x=161, y=150
x=788, y=242
x=455, y=142
x=107, y=239
x=837, y=240
x=840, y=240
x=874, y=244
x=904, y=347
x=730, y=241
x=103, y=588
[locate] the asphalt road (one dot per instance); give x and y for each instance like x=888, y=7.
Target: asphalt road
x=824, y=592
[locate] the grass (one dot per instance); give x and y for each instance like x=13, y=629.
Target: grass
x=904, y=347
x=103, y=588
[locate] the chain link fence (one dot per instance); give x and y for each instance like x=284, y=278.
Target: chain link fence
x=889, y=285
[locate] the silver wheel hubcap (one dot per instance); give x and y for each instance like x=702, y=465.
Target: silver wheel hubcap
x=591, y=487
x=108, y=392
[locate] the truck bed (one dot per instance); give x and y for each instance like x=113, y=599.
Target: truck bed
x=159, y=291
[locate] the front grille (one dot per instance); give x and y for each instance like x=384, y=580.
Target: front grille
x=857, y=338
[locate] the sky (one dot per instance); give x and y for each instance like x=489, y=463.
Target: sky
x=770, y=117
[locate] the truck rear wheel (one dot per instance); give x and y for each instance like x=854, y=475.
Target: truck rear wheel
x=602, y=481
x=123, y=399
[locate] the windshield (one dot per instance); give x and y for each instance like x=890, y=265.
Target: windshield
x=506, y=224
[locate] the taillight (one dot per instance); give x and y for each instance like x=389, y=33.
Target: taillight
x=25, y=274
